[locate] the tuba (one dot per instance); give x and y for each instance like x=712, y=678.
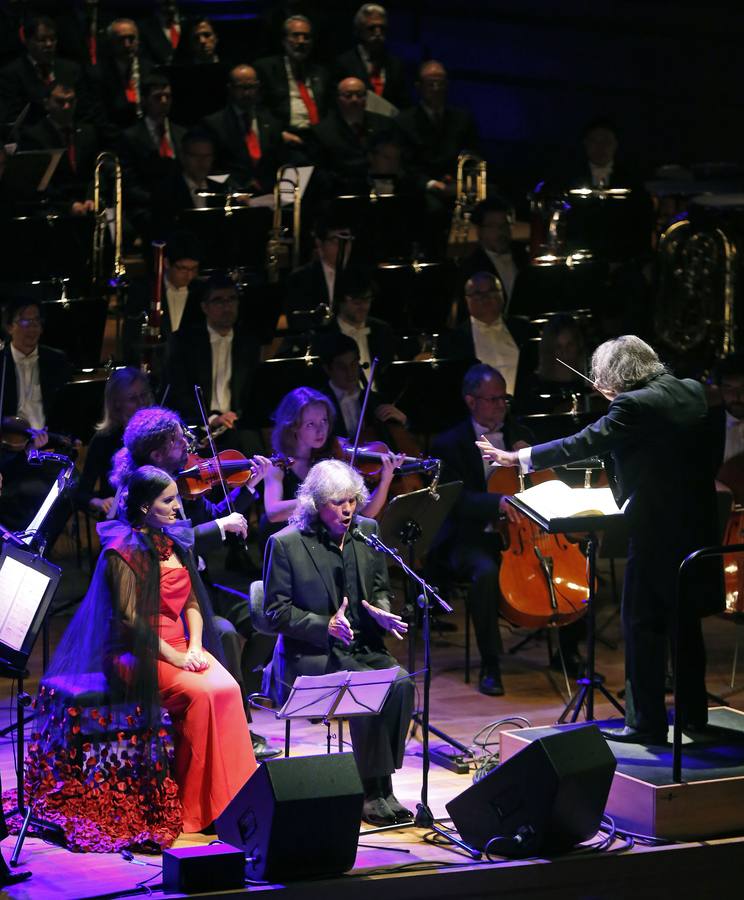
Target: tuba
x=695, y=305
x=106, y=216
x=470, y=189
x=283, y=246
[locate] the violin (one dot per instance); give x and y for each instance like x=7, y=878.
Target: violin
x=368, y=459
x=228, y=466
x=17, y=435
x=542, y=577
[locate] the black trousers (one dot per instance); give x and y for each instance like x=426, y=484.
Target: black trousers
x=478, y=561
x=648, y=623
x=379, y=742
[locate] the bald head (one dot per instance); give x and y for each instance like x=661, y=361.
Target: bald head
x=352, y=99
x=243, y=86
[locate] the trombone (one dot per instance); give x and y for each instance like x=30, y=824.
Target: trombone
x=283, y=246
x=101, y=224
x=470, y=189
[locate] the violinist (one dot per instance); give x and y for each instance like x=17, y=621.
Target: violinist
x=155, y=436
x=303, y=430
x=655, y=433
x=34, y=374
x=468, y=544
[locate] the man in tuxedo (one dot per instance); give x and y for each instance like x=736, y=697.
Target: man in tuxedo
x=247, y=137
x=655, y=435
x=70, y=187
x=485, y=335
x=28, y=78
x=120, y=73
x=339, y=144
x=219, y=355
x=312, y=287
x=161, y=32
x=496, y=251
x=150, y=150
x=294, y=88
x=468, y=546
x=203, y=42
x=339, y=356
x=727, y=425
x=33, y=376
x=328, y=597
x=370, y=61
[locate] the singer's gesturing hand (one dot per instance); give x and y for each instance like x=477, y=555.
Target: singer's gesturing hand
x=339, y=626
x=495, y=455
x=387, y=620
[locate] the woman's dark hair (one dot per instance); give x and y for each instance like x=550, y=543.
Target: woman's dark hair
x=146, y=484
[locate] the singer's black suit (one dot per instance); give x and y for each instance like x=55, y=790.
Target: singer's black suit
x=657, y=443
x=305, y=580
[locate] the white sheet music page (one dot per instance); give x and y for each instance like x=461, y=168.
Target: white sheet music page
x=556, y=500
x=366, y=691
x=21, y=592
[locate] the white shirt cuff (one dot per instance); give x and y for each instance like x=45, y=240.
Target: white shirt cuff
x=525, y=460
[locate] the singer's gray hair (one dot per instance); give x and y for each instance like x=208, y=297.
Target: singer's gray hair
x=624, y=362
x=328, y=480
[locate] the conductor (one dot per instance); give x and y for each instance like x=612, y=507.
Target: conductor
x=654, y=441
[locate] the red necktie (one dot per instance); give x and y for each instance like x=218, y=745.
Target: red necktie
x=165, y=150
x=376, y=79
x=93, y=49
x=252, y=145
x=131, y=89
x=175, y=35
x=310, y=104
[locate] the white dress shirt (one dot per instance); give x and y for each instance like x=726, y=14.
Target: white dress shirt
x=351, y=408
x=495, y=346
x=329, y=273
x=176, y=299
x=601, y=175
x=360, y=334
x=496, y=437
x=299, y=117
x=221, y=347
x=194, y=188
x=30, y=406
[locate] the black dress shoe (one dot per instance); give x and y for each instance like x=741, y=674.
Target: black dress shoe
x=13, y=878
x=628, y=735
x=375, y=811
x=401, y=813
x=261, y=749
x=575, y=665
x=490, y=683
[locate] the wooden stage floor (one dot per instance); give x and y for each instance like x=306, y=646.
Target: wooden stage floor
x=411, y=867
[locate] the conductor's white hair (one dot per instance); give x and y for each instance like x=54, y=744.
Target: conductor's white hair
x=365, y=11
x=623, y=362
x=328, y=480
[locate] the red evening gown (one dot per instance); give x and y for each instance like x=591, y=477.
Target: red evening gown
x=214, y=754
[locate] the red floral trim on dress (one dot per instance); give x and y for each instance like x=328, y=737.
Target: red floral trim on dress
x=105, y=782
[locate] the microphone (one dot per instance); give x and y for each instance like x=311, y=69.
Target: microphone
x=358, y=535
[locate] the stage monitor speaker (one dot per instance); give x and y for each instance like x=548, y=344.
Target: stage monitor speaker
x=549, y=796
x=297, y=817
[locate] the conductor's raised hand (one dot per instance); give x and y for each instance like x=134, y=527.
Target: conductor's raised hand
x=339, y=626
x=387, y=620
x=495, y=455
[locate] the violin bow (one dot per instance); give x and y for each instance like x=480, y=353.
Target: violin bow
x=198, y=393
x=363, y=410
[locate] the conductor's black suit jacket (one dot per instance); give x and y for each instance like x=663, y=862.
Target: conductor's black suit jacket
x=655, y=439
x=301, y=596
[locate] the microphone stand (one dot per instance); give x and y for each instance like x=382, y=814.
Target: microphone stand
x=424, y=817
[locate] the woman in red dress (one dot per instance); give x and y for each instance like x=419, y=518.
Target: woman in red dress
x=143, y=639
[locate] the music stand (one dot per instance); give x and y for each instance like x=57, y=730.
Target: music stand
x=594, y=498
x=336, y=695
x=28, y=584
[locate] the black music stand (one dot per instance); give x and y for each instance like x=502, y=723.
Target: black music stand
x=28, y=584
x=590, y=524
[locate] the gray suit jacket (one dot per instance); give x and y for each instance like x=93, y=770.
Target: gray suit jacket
x=301, y=596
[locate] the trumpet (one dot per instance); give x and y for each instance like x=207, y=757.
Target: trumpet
x=470, y=189
x=101, y=224
x=283, y=246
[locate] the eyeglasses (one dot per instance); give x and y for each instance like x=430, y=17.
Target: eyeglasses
x=28, y=323
x=494, y=399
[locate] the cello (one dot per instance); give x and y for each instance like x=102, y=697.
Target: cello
x=542, y=578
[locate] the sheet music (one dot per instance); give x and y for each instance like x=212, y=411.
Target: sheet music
x=38, y=520
x=316, y=695
x=556, y=500
x=365, y=691
x=21, y=592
